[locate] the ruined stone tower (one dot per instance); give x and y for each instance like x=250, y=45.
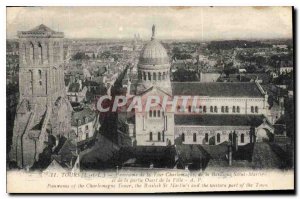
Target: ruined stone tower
x=43, y=109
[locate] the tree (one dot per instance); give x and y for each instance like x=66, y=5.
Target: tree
x=183, y=75
x=80, y=56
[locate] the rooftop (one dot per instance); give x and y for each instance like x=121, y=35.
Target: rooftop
x=217, y=89
x=85, y=116
x=74, y=87
x=219, y=120
x=40, y=31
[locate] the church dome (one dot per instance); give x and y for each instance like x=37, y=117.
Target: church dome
x=153, y=52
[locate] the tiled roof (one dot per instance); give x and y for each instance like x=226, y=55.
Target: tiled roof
x=41, y=28
x=217, y=152
x=105, y=157
x=67, y=154
x=74, y=87
x=90, y=83
x=216, y=89
x=41, y=31
x=264, y=157
x=85, y=115
x=219, y=120
x=187, y=153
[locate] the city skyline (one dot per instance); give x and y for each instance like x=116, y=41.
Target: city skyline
x=203, y=23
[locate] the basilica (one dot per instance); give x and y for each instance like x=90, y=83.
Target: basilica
x=233, y=112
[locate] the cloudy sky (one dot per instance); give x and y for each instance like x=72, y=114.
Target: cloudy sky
x=207, y=23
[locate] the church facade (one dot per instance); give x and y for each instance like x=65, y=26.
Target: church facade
x=43, y=109
x=205, y=113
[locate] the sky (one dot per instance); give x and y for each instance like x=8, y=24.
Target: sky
x=197, y=23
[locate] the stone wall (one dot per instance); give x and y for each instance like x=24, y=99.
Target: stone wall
x=209, y=134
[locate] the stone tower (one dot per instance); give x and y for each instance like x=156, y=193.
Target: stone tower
x=43, y=109
x=154, y=67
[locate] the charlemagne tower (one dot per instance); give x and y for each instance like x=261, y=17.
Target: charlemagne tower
x=43, y=110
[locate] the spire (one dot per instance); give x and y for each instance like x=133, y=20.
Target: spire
x=153, y=32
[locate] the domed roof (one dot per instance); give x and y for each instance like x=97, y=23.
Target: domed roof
x=153, y=52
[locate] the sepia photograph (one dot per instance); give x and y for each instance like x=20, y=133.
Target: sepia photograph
x=150, y=99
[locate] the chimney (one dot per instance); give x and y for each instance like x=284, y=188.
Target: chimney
x=80, y=84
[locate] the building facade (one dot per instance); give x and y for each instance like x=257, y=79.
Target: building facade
x=84, y=124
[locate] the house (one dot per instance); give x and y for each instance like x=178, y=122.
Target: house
x=76, y=92
x=85, y=124
x=67, y=158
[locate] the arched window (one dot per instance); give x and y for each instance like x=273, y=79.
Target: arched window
x=40, y=77
x=237, y=109
x=226, y=109
x=200, y=109
x=183, y=137
x=151, y=136
x=206, y=137
x=31, y=76
x=158, y=113
x=31, y=80
x=222, y=109
x=40, y=74
x=149, y=76
x=233, y=109
x=204, y=109
x=216, y=109
x=211, y=109
x=164, y=76
x=40, y=51
x=144, y=74
x=154, y=76
x=31, y=52
x=194, y=108
x=194, y=137
x=150, y=113
x=47, y=47
x=159, y=76
x=159, y=136
x=190, y=109
x=154, y=113
x=242, y=138
x=252, y=109
x=56, y=52
x=218, y=138
x=256, y=109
